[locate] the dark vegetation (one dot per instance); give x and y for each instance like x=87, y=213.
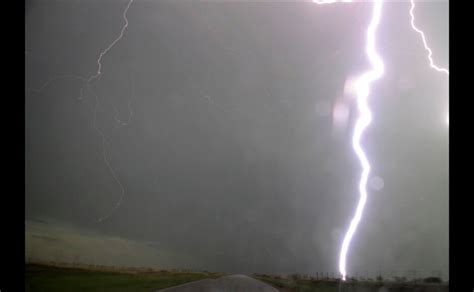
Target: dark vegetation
x=53, y=277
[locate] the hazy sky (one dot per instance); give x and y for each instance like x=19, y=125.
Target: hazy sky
x=231, y=155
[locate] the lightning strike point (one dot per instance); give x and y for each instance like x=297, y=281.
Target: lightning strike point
x=363, y=90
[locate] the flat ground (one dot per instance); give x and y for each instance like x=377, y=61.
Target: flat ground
x=54, y=278
x=233, y=283
x=40, y=277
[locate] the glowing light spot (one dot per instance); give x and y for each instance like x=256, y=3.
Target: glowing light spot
x=350, y=89
x=377, y=183
x=340, y=115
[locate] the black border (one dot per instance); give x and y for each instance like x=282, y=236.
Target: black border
x=461, y=113
x=12, y=205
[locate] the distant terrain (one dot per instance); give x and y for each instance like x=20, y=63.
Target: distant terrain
x=298, y=283
x=53, y=277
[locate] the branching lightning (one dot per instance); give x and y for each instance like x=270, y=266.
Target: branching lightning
x=427, y=48
x=362, y=87
x=363, y=91
x=88, y=88
x=56, y=77
x=425, y=44
x=364, y=120
x=97, y=103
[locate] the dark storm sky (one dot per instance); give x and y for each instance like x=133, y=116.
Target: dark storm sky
x=230, y=155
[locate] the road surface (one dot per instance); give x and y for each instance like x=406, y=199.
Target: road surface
x=231, y=283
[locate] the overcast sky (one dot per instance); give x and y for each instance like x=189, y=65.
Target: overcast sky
x=231, y=154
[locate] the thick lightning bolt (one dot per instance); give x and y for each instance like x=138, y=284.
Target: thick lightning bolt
x=427, y=48
x=365, y=117
x=362, y=89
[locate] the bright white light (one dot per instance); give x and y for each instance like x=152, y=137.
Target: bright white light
x=330, y=1
x=425, y=44
x=365, y=117
x=350, y=87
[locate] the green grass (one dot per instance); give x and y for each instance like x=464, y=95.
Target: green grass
x=52, y=279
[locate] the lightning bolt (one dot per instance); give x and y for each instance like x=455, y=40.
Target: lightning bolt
x=427, y=48
x=425, y=44
x=365, y=117
x=362, y=91
x=88, y=88
x=364, y=120
x=96, y=107
x=362, y=88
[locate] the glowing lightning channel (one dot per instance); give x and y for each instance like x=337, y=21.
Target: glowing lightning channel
x=425, y=44
x=422, y=34
x=365, y=117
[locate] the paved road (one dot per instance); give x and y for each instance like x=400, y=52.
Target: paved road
x=233, y=283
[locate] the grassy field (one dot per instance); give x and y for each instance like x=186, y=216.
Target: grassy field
x=40, y=277
x=52, y=277
x=306, y=285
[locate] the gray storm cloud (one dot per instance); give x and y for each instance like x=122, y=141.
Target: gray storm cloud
x=230, y=162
